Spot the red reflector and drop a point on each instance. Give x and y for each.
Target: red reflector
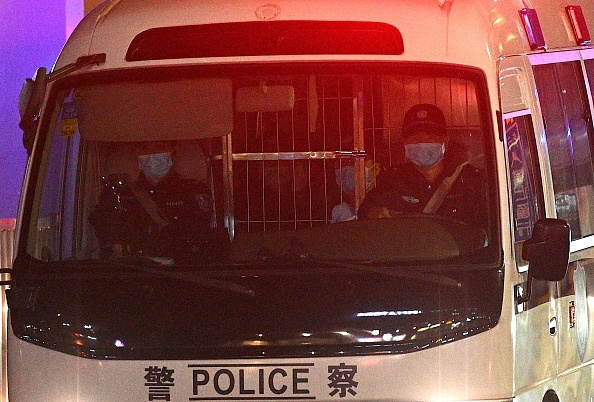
(533, 29)
(578, 23)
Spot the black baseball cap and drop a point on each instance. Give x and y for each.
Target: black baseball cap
(425, 117)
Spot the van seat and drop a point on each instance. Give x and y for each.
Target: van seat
(122, 161)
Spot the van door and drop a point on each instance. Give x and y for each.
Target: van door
(536, 347)
(563, 90)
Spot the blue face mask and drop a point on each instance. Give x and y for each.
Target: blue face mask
(155, 166)
(425, 154)
(345, 178)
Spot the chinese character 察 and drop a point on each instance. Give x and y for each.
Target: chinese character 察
(342, 380)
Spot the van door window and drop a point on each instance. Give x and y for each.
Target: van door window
(562, 95)
(590, 71)
(525, 181)
(55, 226)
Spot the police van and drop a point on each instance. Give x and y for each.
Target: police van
(290, 114)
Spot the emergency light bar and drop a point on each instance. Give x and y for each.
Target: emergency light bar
(533, 28)
(579, 25)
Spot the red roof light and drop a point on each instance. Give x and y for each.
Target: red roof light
(579, 25)
(533, 29)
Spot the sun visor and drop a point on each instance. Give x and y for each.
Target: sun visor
(173, 110)
(263, 98)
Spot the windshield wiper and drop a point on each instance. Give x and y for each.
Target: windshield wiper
(150, 266)
(299, 252)
(363, 266)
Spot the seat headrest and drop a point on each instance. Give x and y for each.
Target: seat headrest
(190, 162)
(122, 160)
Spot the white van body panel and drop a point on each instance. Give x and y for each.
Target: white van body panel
(462, 31)
(519, 359)
(478, 374)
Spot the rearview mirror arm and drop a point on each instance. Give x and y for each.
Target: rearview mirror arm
(524, 292)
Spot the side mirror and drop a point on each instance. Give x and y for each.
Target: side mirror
(547, 252)
(30, 98)
(548, 249)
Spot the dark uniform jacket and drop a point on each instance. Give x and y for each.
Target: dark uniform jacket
(403, 189)
(183, 208)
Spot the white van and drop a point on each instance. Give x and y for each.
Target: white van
(232, 201)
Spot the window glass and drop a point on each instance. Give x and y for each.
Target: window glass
(590, 71)
(564, 103)
(54, 227)
(292, 153)
(525, 186)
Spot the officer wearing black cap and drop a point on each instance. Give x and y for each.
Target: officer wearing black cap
(435, 179)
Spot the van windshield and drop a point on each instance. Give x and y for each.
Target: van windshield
(279, 210)
(347, 162)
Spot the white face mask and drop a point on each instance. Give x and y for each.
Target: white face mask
(425, 154)
(155, 166)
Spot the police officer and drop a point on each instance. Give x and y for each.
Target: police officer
(163, 214)
(435, 179)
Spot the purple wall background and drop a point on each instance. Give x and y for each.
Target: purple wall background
(32, 33)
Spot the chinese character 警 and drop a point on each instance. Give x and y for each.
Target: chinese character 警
(159, 380)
